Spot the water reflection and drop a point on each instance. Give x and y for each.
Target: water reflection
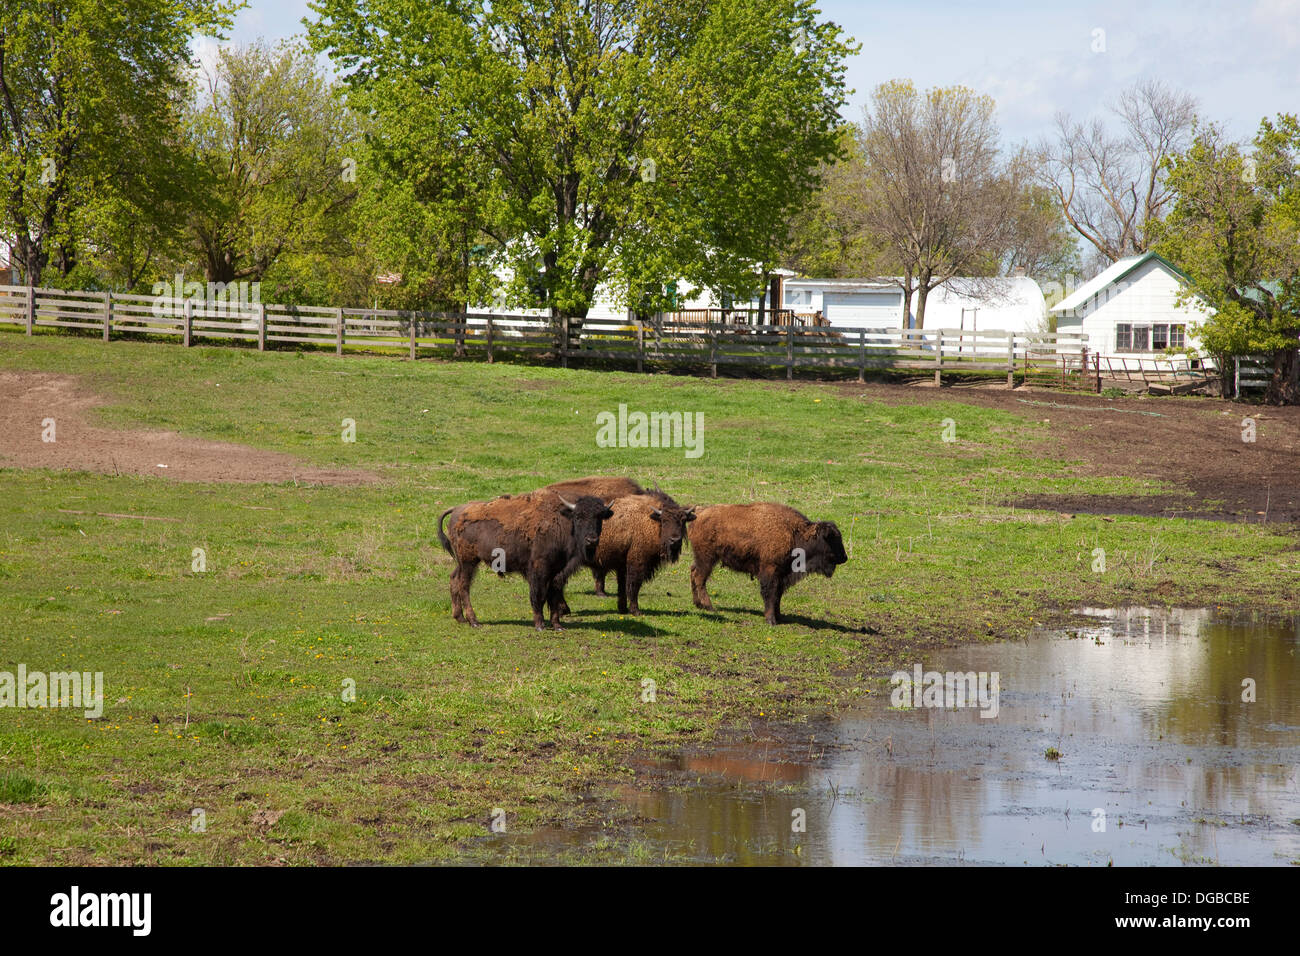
(1145, 706)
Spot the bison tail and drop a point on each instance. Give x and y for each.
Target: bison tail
(442, 535)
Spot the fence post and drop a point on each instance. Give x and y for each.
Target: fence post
(189, 323)
(938, 357)
(108, 314)
(338, 325)
(413, 320)
(713, 351)
(1096, 360)
(789, 353)
(31, 308)
(465, 318)
(1083, 366)
(862, 355)
(640, 346)
(1011, 360)
(564, 342)
(261, 326)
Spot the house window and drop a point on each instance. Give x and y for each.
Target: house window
(1149, 338)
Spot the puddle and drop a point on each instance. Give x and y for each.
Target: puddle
(1162, 762)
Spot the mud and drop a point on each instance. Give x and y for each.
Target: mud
(27, 399)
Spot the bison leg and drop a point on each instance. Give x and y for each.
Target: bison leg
(461, 579)
(538, 591)
(620, 575)
(555, 601)
(635, 577)
(700, 571)
(599, 578)
(769, 585)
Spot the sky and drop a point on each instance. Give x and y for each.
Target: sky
(1239, 58)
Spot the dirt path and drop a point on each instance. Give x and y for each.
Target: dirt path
(28, 398)
(1195, 443)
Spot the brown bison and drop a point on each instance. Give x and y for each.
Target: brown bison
(543, 536)
(645, 533)
(771, 542)
(609, 488)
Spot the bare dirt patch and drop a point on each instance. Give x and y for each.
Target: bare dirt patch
(28, 398)
(1191, 443)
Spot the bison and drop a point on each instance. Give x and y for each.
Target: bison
(609, 488)
(645, 533)
(772, 542)
(543, 536)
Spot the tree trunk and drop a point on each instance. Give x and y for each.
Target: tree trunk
(907, 300)
(922, 293)
(1284, 386)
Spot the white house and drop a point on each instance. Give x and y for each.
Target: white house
(1131, 310)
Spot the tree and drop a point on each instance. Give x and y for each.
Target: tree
(1111, 185)
(275, 143)
(750, 114)
(828, 237)
(86, 87)
(936, 189)
(1235, 230)
(627, 141)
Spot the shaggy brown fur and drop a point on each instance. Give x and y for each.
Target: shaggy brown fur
(610, 488)
(761, 540)
(535, 535)
(644, 533)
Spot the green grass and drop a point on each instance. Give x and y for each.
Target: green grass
(223, 690)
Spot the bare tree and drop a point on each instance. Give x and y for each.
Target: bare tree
(937, 190)
(1110, 184)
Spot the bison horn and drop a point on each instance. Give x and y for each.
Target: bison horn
(568, 504)
(658, 512)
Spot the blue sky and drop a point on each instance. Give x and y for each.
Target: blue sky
(1240, 59)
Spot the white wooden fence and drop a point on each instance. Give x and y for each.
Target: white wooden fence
(492, 336)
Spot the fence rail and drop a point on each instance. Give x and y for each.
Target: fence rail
(490, 336)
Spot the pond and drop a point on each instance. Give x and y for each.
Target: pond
(1145, 737)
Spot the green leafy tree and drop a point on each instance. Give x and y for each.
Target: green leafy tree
(88, 87)
(829, 237)
(628, 142)
(277, 148)
(1235, 230)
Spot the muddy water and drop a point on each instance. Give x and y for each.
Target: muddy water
(1161, 761)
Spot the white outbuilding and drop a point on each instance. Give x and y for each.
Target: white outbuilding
(1010, 304)
(1131, 310)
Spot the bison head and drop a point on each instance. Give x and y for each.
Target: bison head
(824, 548)
(587, 514)
(672, 519)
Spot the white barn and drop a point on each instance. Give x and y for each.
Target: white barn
(1131, 310)
(1014, 304)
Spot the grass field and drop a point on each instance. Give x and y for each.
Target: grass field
(224, 688)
